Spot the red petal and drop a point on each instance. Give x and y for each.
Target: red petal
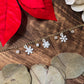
(10, 19)
(42, 13)
(33, 3)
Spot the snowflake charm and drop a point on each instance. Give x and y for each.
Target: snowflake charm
(63, 38)
(28, 49)
(45, 44)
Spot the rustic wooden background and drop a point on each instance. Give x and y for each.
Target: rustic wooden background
(32, 29)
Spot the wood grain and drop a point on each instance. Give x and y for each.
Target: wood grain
(32, 29)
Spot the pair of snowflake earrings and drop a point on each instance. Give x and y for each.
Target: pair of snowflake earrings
(46, 44)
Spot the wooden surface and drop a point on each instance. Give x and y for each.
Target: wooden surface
(32, 29)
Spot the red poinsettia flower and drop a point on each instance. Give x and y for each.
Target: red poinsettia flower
(10, 14)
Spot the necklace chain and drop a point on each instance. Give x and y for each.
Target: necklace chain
(35, 41)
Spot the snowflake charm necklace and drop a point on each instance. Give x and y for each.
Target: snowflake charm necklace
(45, 44)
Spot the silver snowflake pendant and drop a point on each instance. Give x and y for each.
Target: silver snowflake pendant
(45, 44)
(63, 38)
(28, 49)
